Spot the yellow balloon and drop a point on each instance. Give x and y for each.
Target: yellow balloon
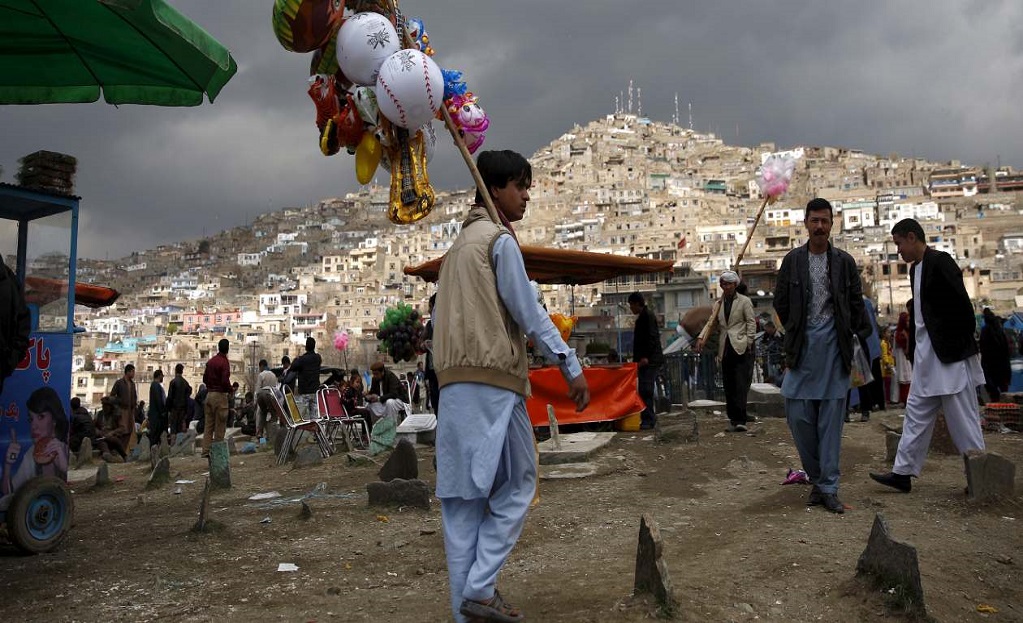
(367, 157)
(564, 324)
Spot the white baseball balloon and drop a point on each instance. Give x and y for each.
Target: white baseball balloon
(364, 41)
(410, 88)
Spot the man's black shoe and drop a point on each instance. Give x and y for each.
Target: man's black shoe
(895, 481)
(815, 498)
(831, 502)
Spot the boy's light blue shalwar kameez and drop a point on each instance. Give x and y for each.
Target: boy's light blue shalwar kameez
(816, 390)
(486, 459)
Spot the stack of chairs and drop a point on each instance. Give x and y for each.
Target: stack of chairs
(287, 412)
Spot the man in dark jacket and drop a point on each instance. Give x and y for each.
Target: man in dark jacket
(646, 351)
(385, 394)
(177, 401)
(15, 323)
(946, 368)
(305, 369)
(125, 396)
(157, 413)
(819, 300)
(82, 426)
(994, 356)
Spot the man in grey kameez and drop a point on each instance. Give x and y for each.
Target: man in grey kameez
(486, 459)
(819, 299)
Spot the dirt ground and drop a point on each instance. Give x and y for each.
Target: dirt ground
(739, 546)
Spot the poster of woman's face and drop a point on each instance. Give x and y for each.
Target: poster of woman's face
(36, 445)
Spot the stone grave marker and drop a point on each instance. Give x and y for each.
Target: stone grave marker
(160, 475)
(204, 508)
(941, 440)
(84, 455)
(308, 456)
(398, 492)
(893, 565)
(403, 463)
(142, 450)
(891, 445)
(220, 465)
(102, 475)
(651, 570)
(184, 444)
(989, 476)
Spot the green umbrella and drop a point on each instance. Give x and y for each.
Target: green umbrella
(134, 51)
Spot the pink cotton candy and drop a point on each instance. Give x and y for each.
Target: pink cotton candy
(775, 174)
(341, 340)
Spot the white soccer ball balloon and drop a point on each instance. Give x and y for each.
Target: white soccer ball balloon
(364, 41)
(410, 88)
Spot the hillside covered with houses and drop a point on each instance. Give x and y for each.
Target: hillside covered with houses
(623, 184)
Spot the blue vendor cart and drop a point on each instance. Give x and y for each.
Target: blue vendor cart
(35, 503)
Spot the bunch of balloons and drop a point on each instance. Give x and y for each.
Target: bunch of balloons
(375, 86)
(401, 332)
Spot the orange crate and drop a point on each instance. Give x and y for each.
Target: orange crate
(999, 414)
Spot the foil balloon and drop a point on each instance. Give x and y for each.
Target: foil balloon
(367, 157)
(350, 128)
(453, 83)
(470, 119)
(363, 43)
(305, 25)
(322, 92)
(410, 89)
(324, 59)
(429, 138)
(411, 197)
(417, 32)
(366, 104)
(564, 324)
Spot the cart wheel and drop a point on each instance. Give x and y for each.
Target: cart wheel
(39, 516)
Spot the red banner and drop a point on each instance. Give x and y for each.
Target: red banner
(613, 395)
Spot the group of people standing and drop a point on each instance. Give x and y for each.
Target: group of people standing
(818, 298)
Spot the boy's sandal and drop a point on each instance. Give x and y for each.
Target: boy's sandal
(494, 609)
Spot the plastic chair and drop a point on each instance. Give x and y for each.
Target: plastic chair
(286, 409)
(332, 411)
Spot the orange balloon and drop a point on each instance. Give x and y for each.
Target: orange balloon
(564, 324)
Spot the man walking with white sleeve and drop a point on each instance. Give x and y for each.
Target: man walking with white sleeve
(946, 366)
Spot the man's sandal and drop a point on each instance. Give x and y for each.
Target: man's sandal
(494, 609)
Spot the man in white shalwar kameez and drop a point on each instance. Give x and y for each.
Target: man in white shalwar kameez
(946, 364)
(486, 459)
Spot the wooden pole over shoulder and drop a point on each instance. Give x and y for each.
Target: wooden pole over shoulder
(712, 321)
(450, 124)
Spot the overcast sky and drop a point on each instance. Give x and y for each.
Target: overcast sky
(939, 79)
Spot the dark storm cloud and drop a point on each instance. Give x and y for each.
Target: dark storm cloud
(938, 80)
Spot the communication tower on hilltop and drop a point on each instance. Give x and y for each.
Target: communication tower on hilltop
(630, 97)
(639, 101)
(674, 120)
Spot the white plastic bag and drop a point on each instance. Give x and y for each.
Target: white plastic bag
(859, 373)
